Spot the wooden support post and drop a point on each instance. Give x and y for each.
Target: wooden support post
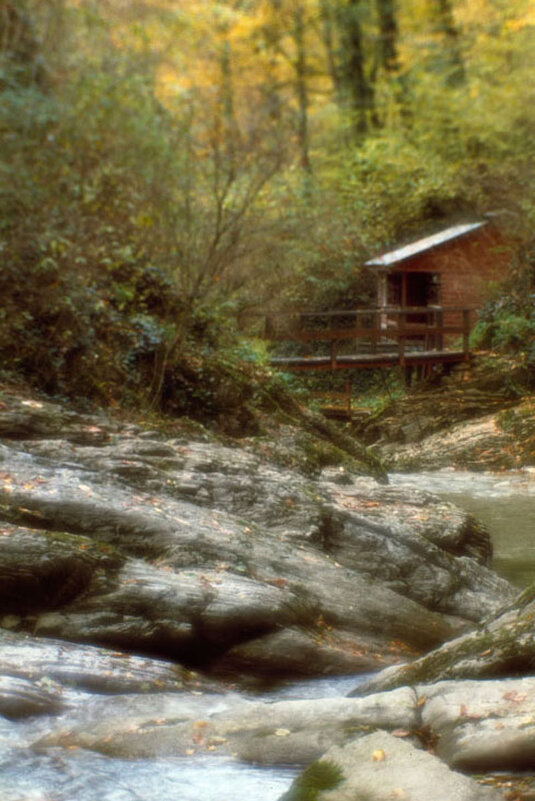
(401, 350)
(466, 333)
(334, 344)
(401, 338)
(440, 336)
(375, 330)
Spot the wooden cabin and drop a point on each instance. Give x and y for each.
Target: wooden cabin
(428, 294)
(452, 268)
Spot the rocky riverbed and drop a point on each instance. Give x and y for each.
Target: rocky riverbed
(217, 559)
(145, 579)
(481, 423)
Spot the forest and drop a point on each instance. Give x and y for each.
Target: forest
(209, 589)
(172, 169)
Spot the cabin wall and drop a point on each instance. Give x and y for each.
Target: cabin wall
(467, 267)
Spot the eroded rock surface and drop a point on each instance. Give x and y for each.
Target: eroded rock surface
(482, 725)
(477, 424)
(479, 444)
(380, 767)
(449, 728)
(402, 740)
(270, 733)
(215, 557)
(503, 646)
(55, 665)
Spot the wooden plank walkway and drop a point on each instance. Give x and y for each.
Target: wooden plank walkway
(382, 337)
(370, 360)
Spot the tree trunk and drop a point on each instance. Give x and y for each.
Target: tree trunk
(301, 87)
(388, 34)
(229, 127)
(329, 38)
(20, 45)
(360, 89)
(445, 25)
(388, 56)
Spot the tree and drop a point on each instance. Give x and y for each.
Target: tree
(358, 86)
(444, 23)
(388, 36)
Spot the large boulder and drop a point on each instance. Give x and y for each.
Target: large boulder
(479, 444)
(478, 727)
(54, 665)
(283, 732)
(380, 767)
(400, 741)
(482, 725)
(218, 558)
(503, 646)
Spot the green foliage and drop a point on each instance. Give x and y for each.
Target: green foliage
(509, 327)
(508, 332)
(318, 453)
(148, 203)
(321, 775)
(252, 350)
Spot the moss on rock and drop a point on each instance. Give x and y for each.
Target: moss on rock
(319, 776)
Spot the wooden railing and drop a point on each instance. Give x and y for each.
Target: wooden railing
(391, 329)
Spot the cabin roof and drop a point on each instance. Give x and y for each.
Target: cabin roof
(422, 245)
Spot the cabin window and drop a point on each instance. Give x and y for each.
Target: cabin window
(413, 289)
(422, 289)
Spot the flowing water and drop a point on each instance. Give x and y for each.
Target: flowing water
(85, 776)
(504, 502)
(59, 774)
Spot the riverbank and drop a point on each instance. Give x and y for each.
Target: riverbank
(503, 501)
(484, 421)
(153, 579)
(220, 558)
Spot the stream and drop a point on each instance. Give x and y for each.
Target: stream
(505, 503)
(64, 775)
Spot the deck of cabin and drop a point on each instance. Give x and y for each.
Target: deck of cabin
(407, 337)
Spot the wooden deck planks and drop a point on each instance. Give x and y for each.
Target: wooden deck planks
(370, 360)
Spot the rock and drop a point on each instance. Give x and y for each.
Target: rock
(89, 668)
(479, 444)
(215, 557)
(519, 422)
(297, 652)
(45, 571)
(23, 698)
(27, 418)
(503, 646)
(379, 530)
(479, 423)
(470, 725)
(194, 614)
(427, 409)
(284, 732)
(482, 725)
(380, 767)
(184, 614)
